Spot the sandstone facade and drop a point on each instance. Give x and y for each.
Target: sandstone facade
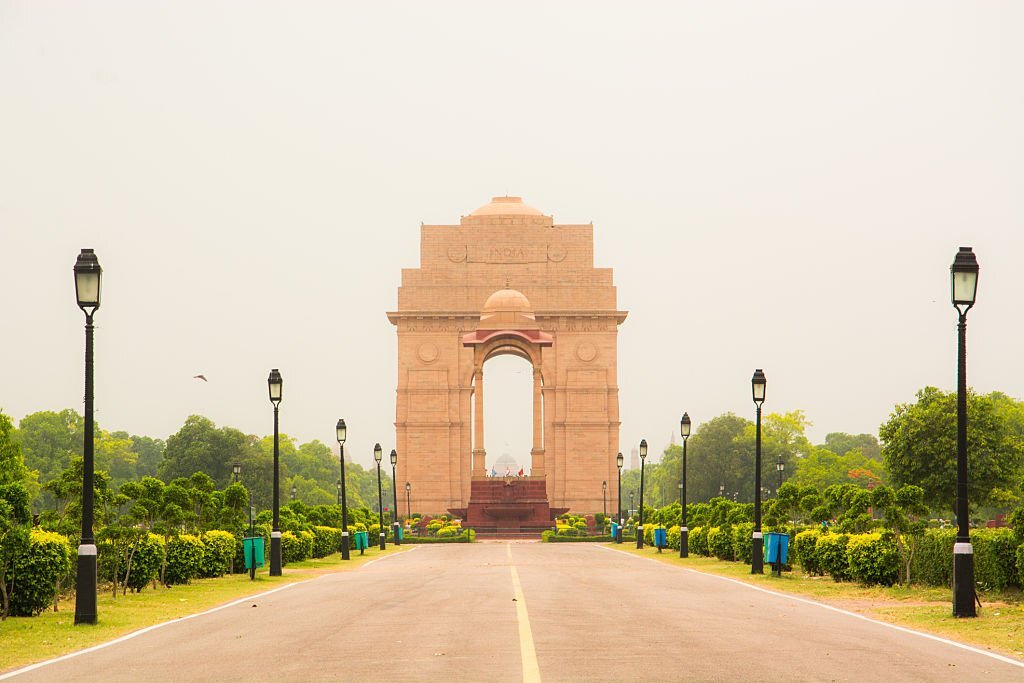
(506, 279)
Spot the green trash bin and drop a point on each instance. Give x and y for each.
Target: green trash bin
(253, 551)
(362, 541)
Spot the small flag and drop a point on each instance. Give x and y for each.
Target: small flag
(520, 471)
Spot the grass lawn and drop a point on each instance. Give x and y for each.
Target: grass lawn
(999, 626)
(24, 640)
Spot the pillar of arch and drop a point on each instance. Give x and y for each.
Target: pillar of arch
(507, 280)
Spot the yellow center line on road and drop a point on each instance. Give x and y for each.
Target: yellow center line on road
(531, 671)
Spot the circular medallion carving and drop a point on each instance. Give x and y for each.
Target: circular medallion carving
(428, 352)
(586, 352)
(556, 253)
(457, 254)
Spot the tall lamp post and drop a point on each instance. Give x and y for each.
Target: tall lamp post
(780, 467)
(640, 525)
(341, 432)
(88, 275)
(964, 276)
(408, 500)
(684, 531)
(618, 497)
(757, 386)
(275, 385)
(394, 496)
(604, 498)
(378, 455)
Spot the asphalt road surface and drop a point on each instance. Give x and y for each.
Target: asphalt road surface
(526, 612)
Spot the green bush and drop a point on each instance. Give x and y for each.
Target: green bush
(995, 558)
(296, 546)
(34, 573)
(805, 551)
(743, 542)
(873, 558)
(468, 536)
(184, 559)
(326, 540)
(1020, 564)
(698, 540)
(146, 560)
(218, 552)
(932, 561)
(720, 542)
(673, 537)
(831, 552)
(551, 537)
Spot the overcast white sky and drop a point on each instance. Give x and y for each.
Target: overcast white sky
(775, 184)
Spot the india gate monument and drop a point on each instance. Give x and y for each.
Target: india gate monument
(507, 280)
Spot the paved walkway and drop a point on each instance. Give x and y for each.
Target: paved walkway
(526, 611)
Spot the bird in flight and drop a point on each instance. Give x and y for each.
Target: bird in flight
(202, 377)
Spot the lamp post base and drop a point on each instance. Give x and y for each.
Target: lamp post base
(639, 537)
(757, 557)
(618, 532)
(684, 542)
(382, 546)
(85, 585)
(396, 539)
(963, 581)
(275, 553)
(344, 546)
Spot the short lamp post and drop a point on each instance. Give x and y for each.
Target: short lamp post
(640, 525)
(964, 276)
(294, 492)
(341, 432)
(378, 455)
(275, 385)
(408, 500)
(236, 470)
(618, 497)
(604, 498)
(88, 275)
(780, 467)
(757, 386)
(684, 531)
(394, 496)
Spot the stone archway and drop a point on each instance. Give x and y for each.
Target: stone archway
(507, 279)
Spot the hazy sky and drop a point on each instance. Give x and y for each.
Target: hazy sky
(776, 184)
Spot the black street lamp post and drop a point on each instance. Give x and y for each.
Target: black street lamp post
(275, 385)
(394, 495)
(294, 492)
(964, 276)
(631, 508)
(757, 385)
(88, 276)
(780, 467)
(640, 525)
(338, 484)
(341, 432)
(236, 470)
(378, 455)
(618, 498)
(684, 531)
(604, 498)
(408, 500)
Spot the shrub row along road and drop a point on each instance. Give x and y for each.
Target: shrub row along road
(525, 611)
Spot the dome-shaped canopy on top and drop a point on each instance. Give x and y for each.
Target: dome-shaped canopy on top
(506, 206)
(507, 300)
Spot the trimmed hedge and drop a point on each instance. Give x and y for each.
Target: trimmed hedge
(873, 558)
(932, 561)
(296, 546)
(146, 560)
(698, 540)
(34, 573)
(805, 551)
(326, 540)
(720, 542)
(995, 558)
(743, 542)
(467, 537)
(551, 537)
(831, 552)
(218, 551)
(184, 559)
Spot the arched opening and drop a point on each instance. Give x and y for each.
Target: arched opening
(508, 413)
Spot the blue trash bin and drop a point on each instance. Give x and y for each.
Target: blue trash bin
(661, 538)
(776, 549)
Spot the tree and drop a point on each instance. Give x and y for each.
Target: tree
(15, 518)
(199, 446)
(49, 440)
(919, 446)
(841, 443)
(823, 468)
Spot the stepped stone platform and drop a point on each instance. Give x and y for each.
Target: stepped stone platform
(508, 505)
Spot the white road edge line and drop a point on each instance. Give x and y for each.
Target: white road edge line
(904, 629)
(531, 669)
(147, 629)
